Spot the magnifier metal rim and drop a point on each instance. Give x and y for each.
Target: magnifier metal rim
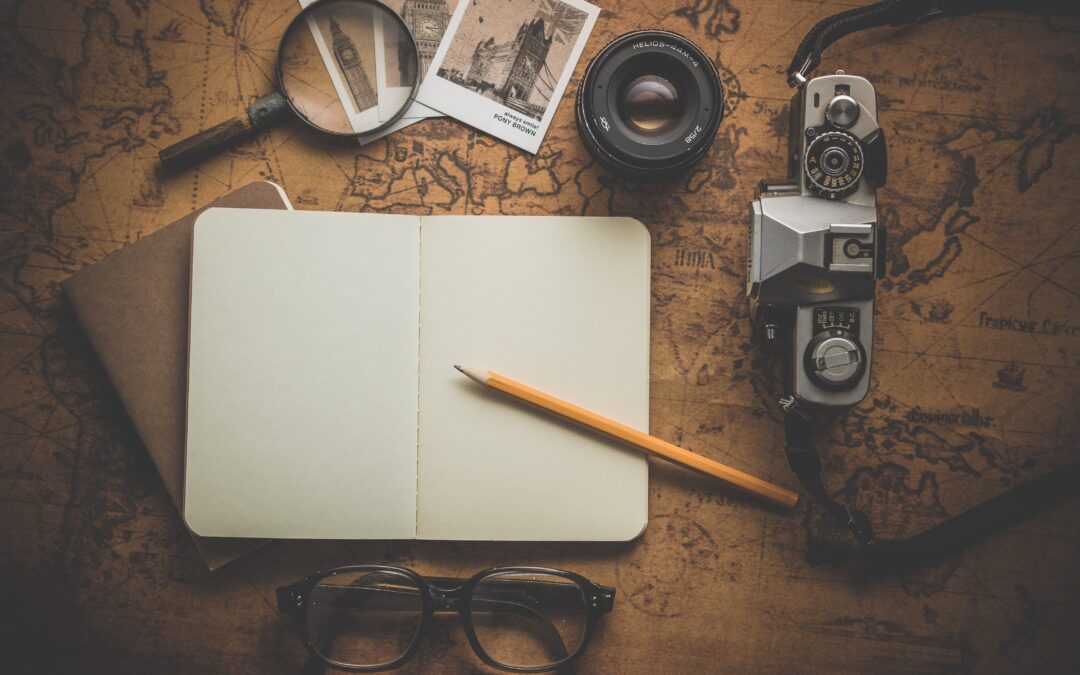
(347, 134)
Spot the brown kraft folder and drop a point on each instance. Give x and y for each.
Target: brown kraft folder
(133, 306)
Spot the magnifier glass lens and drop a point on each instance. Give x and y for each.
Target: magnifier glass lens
(348, 66)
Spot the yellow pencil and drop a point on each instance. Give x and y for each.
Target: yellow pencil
(652, 444)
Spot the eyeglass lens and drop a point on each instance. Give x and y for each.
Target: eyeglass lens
(528, 620)
(364, 618)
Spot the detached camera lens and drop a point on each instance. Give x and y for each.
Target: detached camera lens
(649, 105)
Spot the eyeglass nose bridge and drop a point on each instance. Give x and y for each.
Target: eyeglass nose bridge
(447, 599)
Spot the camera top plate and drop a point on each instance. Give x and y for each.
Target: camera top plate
(809, 111)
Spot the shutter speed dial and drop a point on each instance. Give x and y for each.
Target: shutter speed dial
(833, 163)
(835, 359)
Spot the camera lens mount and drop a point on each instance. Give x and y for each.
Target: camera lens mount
(833, 164)
(649, 105)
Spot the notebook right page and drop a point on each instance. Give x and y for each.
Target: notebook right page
(558, 303)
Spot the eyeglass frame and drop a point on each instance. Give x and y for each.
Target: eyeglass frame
(294, 600)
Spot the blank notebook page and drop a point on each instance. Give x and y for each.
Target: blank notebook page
(303, 375)
(560, 304)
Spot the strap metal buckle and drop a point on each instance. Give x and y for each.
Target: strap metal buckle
(789, 405)
(798, 78)
(861, 528)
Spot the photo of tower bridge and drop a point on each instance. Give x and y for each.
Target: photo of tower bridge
(513, 54)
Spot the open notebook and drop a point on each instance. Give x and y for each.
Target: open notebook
(322, 399)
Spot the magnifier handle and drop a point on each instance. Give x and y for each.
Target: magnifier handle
(217, 137)
(203, 143)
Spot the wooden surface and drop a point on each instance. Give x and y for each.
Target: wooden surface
(974, 388)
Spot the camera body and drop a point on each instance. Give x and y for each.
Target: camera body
(816, 247)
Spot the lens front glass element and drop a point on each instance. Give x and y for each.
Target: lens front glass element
(651, 104)
(364, 618)
(341, 93)
(528, 620)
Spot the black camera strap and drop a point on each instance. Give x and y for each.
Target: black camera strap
(951, 535)
(989, 516)
(897, 13)
(806, 464)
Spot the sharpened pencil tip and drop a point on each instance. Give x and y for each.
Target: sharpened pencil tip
(459, 368)
(480, 376)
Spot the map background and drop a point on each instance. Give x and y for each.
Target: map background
(981, 116)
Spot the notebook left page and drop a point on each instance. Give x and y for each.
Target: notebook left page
(302, 389)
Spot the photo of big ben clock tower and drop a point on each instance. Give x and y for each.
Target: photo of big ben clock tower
(349, 62)
(427, 21)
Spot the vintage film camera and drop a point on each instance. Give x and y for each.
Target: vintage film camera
(816, 246)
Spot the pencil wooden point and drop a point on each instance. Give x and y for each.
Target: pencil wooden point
(476, 374)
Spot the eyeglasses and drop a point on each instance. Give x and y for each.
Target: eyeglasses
(366, 618)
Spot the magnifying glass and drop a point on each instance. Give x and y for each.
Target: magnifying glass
(347, 68)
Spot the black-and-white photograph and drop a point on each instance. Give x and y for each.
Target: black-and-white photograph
(513, 53)
(349, 36)
(427, 21)
(503, 66)
(402, 61)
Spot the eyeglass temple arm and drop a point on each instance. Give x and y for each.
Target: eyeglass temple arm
(290, 598)
(604, 601)
(291, 601)
(404, 591)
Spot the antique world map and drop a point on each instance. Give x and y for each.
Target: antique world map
(974, 390)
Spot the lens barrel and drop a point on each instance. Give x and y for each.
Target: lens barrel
(649, 105)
